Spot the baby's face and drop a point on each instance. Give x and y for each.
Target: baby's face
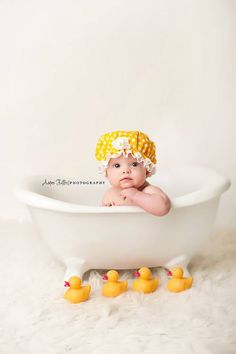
(126, 172)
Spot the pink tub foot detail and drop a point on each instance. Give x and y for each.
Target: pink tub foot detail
(75, 266)
(180, 261)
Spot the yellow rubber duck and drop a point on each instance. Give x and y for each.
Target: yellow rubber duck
(145, 284)
(113, 287)
(76, 293)
(178, 283)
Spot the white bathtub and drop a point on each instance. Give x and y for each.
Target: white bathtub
(84, 235)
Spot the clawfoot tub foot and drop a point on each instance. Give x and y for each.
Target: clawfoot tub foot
(75, 266)
(181, 261)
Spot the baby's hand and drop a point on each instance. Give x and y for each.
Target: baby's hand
(108, 204)
(128, 193)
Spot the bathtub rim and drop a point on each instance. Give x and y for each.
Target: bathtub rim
(219, 184)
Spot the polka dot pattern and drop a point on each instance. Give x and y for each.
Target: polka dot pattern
(138, 142)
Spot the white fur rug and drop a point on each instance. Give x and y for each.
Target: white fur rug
(34, 317)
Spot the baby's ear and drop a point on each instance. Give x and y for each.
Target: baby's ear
(148, 174)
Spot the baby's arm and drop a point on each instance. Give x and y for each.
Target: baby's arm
(152, 199)
(107, 199)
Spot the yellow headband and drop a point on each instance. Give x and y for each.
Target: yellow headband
(136, 143)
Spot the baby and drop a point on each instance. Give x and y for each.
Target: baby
(129, 157)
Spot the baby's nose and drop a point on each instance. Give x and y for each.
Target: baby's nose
(126, 169)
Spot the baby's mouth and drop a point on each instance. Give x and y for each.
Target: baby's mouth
(126, 179)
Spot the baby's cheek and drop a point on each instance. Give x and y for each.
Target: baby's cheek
(111, 173)
(115, 177)
(140, 174)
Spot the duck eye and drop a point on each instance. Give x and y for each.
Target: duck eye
(116, 165)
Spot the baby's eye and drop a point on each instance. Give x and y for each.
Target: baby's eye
(134, 164)
(116, 165)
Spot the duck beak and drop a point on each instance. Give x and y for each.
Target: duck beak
(137, 274)
(66, 284)
(104, 277)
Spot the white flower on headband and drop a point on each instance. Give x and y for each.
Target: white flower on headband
(147, 162)
(121, 143)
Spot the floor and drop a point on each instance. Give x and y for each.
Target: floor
(36, 319)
